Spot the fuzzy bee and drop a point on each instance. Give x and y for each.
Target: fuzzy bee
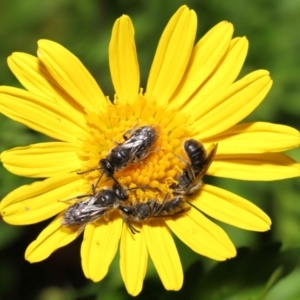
(97, 205)
(136, 147)
(200, 160)
(141, 211)
(94, 207)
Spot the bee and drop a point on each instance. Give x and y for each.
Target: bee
(95, 206)
(140, 211)
(135, 148)
(200, 160)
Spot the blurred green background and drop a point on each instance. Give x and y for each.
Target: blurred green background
(262, 269)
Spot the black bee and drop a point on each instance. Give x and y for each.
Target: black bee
(190, 180)
(140, 141)
(97, 205)
(140, 211)
(133, 149)
(94, 207)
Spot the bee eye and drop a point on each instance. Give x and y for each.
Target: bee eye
(126, 209)
(107, 166)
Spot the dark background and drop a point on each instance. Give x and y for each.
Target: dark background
(84, 27)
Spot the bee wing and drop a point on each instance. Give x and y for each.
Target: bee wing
(86, 216)
(211, 152)
(171, 207)
(85, 208)
(164, 214)
(97, 208)
(132, 144)
(93, 215)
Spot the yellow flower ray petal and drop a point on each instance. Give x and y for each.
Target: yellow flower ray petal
(133, 260)
(99, 246)
(71, 75)
(231, 208)
(172, 55)
(205, 56)
(257, 167)
(41, 200)
(229, 68)
(54, 236)
(163, 253)
(256, 137)
(123, 60)
(42, 160)
(202, 235)
(36, 79)
(231, 105)
(49, 118)
(225, 74)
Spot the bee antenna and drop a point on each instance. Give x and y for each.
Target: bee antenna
(95, 186)
(87, 171)
(115, 180)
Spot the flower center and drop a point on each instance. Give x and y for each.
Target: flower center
(159, 168)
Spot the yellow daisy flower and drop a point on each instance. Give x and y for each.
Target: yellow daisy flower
(191, 93)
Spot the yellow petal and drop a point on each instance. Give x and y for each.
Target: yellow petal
(54, 236)
(231, 208)
(224, 74)
(163, 253)
(49, 117)
(202, 235)
(36, 79)
(257, 167)
(232, 104)
(99, 246)
(123, 60)
(172, 55)
(42, 160)
(71, 75)
(41, 200)
(228, 69)
(204, 59)
(256, 137)
(133, 260)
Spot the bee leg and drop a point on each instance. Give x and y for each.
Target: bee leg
(80, 230)
(180, 191)
(142, 187)
(133, 229)
(194, 188)
(157, 207)
(189, 170)
(130, 226)
(129, 131)
(95, 186)
(125, 135)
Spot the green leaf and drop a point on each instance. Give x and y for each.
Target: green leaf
(248, 276)
(286, 288)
